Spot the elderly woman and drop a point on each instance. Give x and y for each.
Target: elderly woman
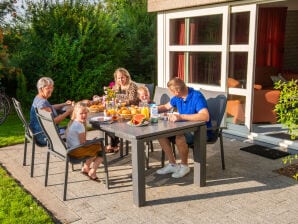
(124, 85)
(45, 87)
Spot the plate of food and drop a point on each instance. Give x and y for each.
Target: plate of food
(101, 119)
(144, 123)
(138, 120)
(126, 116)
(96, 108)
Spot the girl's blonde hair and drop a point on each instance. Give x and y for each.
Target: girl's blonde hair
(144, 89)
(79, 105)
(124, 72)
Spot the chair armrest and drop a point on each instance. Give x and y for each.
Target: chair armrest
(37, 133)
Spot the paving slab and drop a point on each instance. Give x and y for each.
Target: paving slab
(246, 192)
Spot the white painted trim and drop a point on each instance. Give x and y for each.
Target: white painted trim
(195, 12)
(196, 48)
(250, 49)
(161, 50)
(164, 49)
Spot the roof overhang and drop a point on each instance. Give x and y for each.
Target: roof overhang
(164, 5)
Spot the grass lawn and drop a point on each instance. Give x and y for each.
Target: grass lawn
(17, 205)
(11, 131)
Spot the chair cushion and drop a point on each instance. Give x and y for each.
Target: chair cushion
(233, 83)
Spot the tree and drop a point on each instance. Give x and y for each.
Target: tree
(74, 43)
(137, 29)
(6, 8)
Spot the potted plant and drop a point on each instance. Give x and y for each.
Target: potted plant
(287, 106)
(287, 111)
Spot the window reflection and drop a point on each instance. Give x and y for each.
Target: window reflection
(204, 68)
(177, 31)
(236, 109)
(177, 64)
(205, 30)
(239, 28)
(237, 69)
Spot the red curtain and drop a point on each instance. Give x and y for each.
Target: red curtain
(271, 35)
(181, 41)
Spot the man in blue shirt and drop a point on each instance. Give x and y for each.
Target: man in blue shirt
(191, 106)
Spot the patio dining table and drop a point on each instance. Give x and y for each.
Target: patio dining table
(140, 135)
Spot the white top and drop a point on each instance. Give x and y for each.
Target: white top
(75, 129)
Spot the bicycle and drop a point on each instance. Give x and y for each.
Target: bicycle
(5, 105)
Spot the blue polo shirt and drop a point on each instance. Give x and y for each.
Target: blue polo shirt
(194, 102)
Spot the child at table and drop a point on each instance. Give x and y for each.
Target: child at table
(144, 94)
(76, 135)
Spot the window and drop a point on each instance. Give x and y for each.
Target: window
(193, 62)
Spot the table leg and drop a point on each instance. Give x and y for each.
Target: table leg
(138, 172)
(199, 154)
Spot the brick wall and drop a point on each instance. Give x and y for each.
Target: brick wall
(291, 42)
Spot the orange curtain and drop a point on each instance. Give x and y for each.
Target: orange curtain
(271, 35)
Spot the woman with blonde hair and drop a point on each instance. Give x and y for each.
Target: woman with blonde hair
(124, 85)
(76, 135)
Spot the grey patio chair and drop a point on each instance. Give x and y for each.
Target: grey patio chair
(29, 136)
(216, 102)
(58, 148)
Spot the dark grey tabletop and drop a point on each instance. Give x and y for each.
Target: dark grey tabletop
(147, 132)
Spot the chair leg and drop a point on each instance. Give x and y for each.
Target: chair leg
(25, 152)
(105, 163)
(66, 178)
(32, 158)
(106, 138)
(151, 146)
(121, 147)
(147, 155)
(47, 169)
(162, 158)
(222, 152)
(126, 147)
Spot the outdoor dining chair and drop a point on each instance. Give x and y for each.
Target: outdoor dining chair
(216, 102)
(29, 136)
(73, 155)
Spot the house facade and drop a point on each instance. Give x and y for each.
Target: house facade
(240, 47)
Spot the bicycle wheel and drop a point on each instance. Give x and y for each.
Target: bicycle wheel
(7, 103)
(3, 110)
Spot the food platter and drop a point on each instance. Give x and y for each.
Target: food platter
(138, 125)
(96, 108)
(126, 116)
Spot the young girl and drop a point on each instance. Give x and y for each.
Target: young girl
(76, 135)
(144, 94)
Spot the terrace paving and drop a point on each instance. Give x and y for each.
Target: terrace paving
(248, 191)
